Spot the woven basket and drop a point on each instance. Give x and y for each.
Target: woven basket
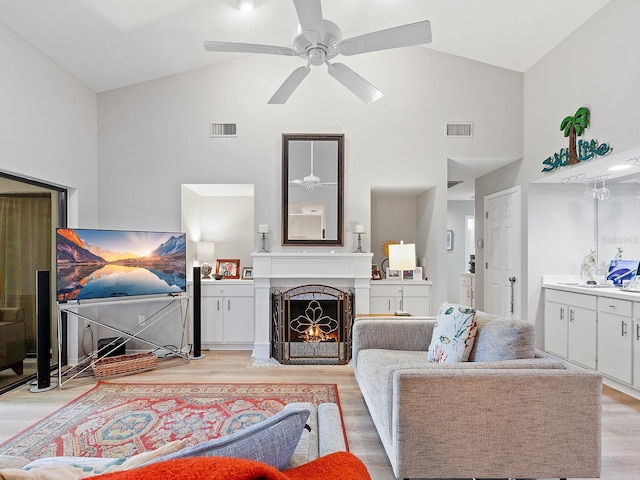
(121, 364)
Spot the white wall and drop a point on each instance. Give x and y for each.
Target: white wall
(154, 136)
(393, 218)
(48, 125)
(595, 67)
(457, 262)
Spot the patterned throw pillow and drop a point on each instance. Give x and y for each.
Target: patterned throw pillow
(453, 334)
(271, 441)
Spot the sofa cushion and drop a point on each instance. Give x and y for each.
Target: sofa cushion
(502, 338)
(453, 334)
(271, 441)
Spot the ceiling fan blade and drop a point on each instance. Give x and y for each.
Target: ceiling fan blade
(290, 84)
(310, 16)
(354, 82)
(403, 36)
(213, 46)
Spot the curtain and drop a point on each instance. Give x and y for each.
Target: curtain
(25, 247)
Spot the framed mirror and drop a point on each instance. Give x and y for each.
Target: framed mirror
(312, 189)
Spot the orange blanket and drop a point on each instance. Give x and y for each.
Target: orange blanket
(335, 466)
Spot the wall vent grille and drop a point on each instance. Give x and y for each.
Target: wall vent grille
(458, 129)
(223, 130)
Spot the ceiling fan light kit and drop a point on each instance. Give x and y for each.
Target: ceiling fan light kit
(318, 40)
(245, 5)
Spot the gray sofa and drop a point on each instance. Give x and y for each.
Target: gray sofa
(510, 411)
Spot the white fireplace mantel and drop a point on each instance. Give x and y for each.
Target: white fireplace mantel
(292, 269)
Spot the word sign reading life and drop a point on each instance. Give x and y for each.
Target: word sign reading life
(574, 126)
(586, 151)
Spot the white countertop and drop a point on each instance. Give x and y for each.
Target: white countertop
(610, 292)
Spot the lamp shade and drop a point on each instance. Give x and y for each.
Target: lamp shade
(402, 256)
(206, 251)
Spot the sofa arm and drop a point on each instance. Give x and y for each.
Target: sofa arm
(538, 423)
(12, 314)
(391, 335)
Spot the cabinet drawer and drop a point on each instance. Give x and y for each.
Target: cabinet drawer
(465, 281)
(227, 290)
(614, 306)
(386, 290)
(570, 298)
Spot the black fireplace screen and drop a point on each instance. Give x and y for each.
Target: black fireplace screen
(311, 324)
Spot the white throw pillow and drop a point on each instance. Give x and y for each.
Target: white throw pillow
(453, 334)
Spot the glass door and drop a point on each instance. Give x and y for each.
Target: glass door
(29, 214)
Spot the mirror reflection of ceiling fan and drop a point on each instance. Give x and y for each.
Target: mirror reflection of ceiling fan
(318, 40)
(311, 181)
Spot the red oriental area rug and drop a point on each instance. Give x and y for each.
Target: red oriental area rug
(119, 419)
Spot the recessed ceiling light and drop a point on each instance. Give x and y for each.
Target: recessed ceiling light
(616, 168)
(245, 5)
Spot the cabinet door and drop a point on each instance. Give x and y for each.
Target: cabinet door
(211, 319)
(382, 304)
(556, 328)
(239, 325)
(614, 346)
(417, 306)
(636, 346)
(465, 295)
(582, 336)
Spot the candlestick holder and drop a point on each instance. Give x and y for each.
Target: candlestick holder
(359, 249)
(263, 248)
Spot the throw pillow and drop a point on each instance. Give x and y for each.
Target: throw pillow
(271, 441)
(453, 334)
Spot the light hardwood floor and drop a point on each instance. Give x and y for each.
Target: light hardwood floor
(621, 414)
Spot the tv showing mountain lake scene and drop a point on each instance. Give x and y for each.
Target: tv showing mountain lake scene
(92, 264)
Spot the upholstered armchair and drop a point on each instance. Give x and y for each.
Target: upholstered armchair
(12, 338)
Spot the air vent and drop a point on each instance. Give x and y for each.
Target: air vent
(223, 130)
(453, 183)
(458, 129)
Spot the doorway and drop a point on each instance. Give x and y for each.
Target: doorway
(29, 213)
(502, 233)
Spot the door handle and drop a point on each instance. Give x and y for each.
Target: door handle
(512, 280)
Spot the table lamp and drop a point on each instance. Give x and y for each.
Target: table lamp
(402, 256)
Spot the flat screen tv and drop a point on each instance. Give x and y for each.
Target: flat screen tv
(96, 264)
(620, 270)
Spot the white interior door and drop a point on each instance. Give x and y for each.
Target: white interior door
(502, 253)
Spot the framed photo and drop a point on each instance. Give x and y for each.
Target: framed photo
(247, 273)
(417, 273)
(408, 274)
(228, 267)
(375, 273)
(449, 239)
(393, 273)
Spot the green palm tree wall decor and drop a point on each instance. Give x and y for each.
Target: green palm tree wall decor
(573, 127)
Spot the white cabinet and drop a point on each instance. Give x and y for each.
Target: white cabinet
(615, 338)
(570, 326)
(385, 297)
(467, 289)
(228, 314)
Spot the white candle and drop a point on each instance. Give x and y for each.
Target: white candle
(359, 228)
(263, 229)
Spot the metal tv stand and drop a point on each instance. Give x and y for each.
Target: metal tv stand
(168, 305)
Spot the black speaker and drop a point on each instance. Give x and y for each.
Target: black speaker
(43, 332)
(197, 314)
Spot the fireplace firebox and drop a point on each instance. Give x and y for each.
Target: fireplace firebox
(311, 324)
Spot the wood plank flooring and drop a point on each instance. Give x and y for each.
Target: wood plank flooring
(621, 414)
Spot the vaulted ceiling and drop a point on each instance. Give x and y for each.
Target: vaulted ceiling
(109, 44)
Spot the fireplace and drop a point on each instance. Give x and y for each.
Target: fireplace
(311, 324)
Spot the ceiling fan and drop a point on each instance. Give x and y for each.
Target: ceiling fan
(311, 181)
(318, 40)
